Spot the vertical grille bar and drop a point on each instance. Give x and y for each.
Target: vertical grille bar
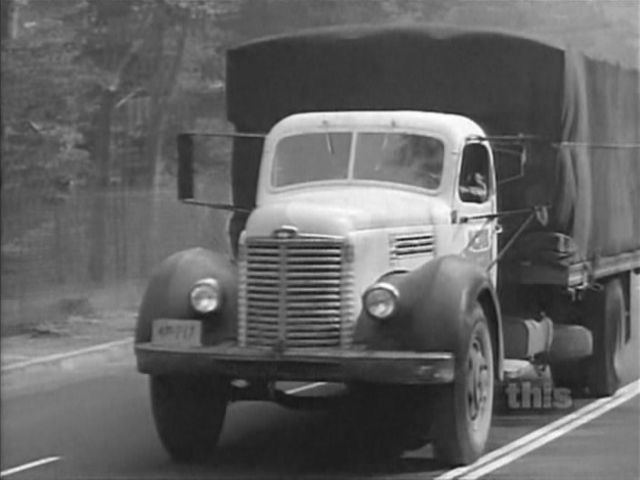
(242, 297)
(347, 300)
(282, 297)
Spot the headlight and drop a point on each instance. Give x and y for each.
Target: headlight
(381, 300)
(206, 296)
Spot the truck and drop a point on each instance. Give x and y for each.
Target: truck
(420, 214)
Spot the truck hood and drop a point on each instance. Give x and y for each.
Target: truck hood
(340, 211)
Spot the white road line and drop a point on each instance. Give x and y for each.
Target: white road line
(542, 441)
(63, 356)
(451, 474)
(29, 466)
(542, 436)
(303, 388)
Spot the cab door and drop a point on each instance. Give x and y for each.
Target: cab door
(474, 200)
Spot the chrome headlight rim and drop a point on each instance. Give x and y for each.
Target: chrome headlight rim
(393, 296)
(210, 288)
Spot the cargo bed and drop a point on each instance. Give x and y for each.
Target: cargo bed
(575, 275)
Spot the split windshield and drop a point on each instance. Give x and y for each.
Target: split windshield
(403, 158)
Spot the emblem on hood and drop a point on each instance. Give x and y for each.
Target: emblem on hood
(285, 232)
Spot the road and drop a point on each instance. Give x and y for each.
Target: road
(100, 426)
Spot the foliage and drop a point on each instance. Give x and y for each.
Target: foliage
(39, 103)
(66, 54)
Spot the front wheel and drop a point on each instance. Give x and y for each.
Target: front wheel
(464, 414)
(189, 412)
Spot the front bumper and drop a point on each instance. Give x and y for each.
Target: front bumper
(398, 367)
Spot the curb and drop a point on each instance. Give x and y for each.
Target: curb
(74, 359)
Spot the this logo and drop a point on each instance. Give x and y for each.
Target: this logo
(530, 396)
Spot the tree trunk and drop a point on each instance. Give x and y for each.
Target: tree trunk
(97, 237)
(9, 20)
(162, 92)
(102, 154)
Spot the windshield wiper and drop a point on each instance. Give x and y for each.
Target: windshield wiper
(329, 143)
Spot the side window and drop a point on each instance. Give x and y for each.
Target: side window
(475, 181)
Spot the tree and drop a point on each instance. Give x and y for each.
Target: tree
(8, 20)
(40, 109)
(140, 33)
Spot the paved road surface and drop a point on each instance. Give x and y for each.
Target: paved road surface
(101, 427)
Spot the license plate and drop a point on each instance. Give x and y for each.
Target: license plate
(181, 333)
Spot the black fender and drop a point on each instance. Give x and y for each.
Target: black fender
(167, 294)
(434, 302)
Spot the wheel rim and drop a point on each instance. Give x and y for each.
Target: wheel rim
(478, 382)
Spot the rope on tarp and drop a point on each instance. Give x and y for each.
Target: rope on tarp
(596, 145)
(520, 139)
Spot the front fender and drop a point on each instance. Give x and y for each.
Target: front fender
(434, 302)
(167, 295)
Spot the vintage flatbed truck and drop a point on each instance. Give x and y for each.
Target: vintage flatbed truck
(416, 209)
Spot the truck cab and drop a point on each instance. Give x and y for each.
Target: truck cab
(396, 189)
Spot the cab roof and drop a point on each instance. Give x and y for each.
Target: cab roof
(447, 124)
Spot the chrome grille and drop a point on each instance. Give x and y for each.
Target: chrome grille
(295, 293)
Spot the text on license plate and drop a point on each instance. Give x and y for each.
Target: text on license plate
(183, 333)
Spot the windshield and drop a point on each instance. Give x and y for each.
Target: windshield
(312, 157)
(403, 158)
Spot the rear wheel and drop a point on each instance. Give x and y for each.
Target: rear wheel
(606, 319)
(575, 342)
(463, 418)
(189, 412)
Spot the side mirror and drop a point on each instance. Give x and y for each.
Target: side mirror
(185, 166)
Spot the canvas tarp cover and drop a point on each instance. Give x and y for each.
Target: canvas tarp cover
(584, 112)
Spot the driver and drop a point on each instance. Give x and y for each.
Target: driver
(416, 160)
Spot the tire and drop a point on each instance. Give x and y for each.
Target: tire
(189, 412)
(576, 343)
(606, 322)
(463, 419)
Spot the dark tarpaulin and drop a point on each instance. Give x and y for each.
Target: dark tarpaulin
(507, 83)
